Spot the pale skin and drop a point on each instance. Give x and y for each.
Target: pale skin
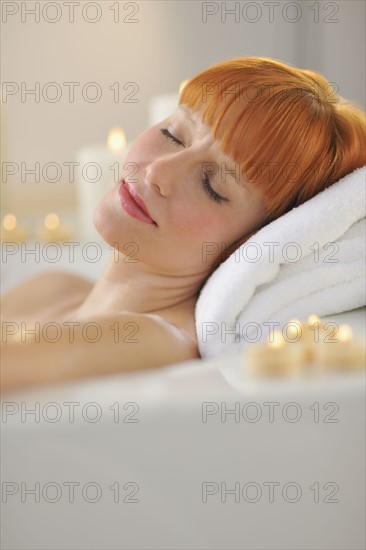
(157, 292)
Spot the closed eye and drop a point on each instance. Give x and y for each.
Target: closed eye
(169, 136)
(206, 181)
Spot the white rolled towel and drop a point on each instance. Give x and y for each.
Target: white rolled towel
(310, 260)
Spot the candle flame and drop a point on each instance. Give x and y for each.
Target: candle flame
(345, 333)
(116, 140)
(9, 222)
(277, 339)
(313, 319)
(295, 322)
(51, 221)
(293, 329)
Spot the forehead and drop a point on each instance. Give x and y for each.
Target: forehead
(192, 119)
(202, 133)
(190, 116)
(198, 130)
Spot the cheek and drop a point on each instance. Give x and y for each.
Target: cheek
(208, 225)
(197, 224)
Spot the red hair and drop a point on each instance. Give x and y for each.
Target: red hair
(291, 135)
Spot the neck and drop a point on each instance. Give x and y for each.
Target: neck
(135, 287)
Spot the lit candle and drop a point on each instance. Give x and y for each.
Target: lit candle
(344, 354)
(116, 141)
(100, 166)
(310, 330)
(52, 230)
(11, 231)
(277, 358)
(307, 333)
(313, 329)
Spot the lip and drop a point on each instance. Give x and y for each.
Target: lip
(133, 204)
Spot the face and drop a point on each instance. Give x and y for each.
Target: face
(198, 208)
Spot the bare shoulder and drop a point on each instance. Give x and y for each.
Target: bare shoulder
(174, 336)
(159, 341)
(128, 342)
(40, 291)
(95, 348)
(50, 280)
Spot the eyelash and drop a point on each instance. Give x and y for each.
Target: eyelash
(205, 182)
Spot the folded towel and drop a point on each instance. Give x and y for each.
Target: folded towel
(311, 260)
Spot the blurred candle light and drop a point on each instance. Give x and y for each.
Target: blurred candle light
(52, 230)
(100, 167)
(276, 358)
(11, 231)
(52, 221)
(308, 348)
(301, 335)
(116, 140)
(311, 329)
(294, 329)
(345, 333)
(313, 319)
(307, 333)
(278, 340)
(344, 353)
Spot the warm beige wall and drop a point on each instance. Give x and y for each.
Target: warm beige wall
(169, 43)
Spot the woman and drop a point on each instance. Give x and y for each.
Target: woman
(250, 139)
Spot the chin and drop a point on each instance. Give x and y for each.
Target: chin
(114, 230)
(105, 223)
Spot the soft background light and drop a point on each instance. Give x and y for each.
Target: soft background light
(167, 43)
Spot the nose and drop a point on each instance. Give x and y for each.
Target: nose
(158, 175)
(165, 173)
